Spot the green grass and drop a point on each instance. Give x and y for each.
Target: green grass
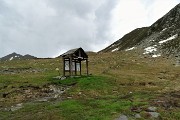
(88, 82)
(92, 109)
(92, 99)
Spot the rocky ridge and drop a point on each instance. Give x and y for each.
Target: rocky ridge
(160, 39)
(15, 56)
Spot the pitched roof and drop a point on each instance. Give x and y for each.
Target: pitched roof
(75, 51)
(69, 52)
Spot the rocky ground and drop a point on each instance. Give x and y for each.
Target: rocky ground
(30, 93)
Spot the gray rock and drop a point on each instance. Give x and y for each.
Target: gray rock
(122, 117)
(137, 116)
(17, 107)
(154, 114)
(57, 77)
(151, 109)
(63, 78)
(43, 100)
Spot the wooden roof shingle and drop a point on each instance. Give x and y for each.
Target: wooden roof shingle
(75, 52)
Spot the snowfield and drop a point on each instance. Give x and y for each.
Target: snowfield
(158, 55)
(170, 38)
(149, 50)
(116, 49)
(130, 49)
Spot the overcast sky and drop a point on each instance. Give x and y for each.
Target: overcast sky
(47, 28)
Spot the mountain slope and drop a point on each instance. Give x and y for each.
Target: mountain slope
(129, 40)
(161, 38)
(12, 56)
(27, 56)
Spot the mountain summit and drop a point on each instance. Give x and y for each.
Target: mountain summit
(161, 38)
(15, 56)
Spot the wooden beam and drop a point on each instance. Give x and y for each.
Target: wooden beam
(75, 68)
(80, 67)
(63, 66)
(87, 70)
(70, 65)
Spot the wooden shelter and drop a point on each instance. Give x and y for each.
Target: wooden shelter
(72, 61)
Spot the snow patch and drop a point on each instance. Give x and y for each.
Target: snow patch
(164, 29)
(158, 55)
(170, 38)
(115, 50)
(152, 40)
(112, 46)
(130, 49)
(149, 50)
(11, 58)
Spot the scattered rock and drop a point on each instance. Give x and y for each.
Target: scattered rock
(43, 100)
(137, 116)
(59, 78)
(122, 117)
(153, 114)
(63, 78)
(57, 69)
(17, 107)
(151, 109)
(20, 70)
(136, 109)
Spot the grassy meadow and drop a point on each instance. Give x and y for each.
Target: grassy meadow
(120, 83)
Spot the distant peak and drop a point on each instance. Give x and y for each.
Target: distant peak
(15, 56)
(176, 8)
(178, 5)
(14, 53)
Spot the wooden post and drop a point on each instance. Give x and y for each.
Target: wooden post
(80, 66)
(75, 67)
(70, 66)
(63, 66)
(87, 67)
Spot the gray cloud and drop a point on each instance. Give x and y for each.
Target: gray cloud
(46, 28)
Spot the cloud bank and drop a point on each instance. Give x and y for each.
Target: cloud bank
(130, 14)
(47, 28)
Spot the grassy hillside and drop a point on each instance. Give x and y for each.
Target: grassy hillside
(129, 40)
(121, 83)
